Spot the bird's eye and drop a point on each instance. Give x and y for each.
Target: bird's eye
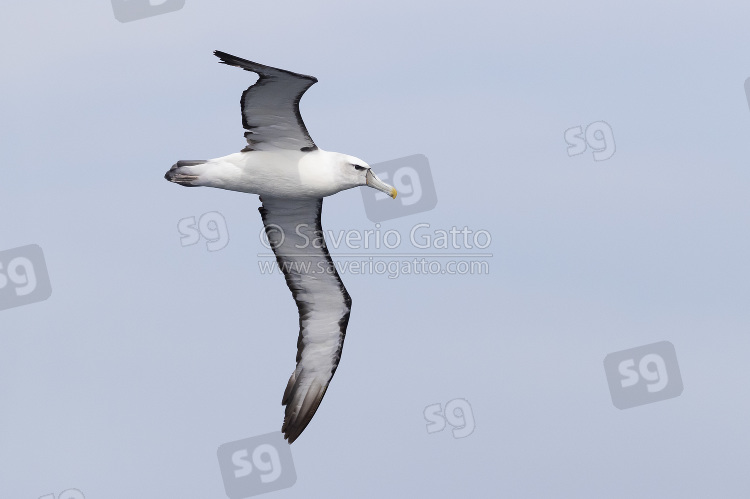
(359, 167)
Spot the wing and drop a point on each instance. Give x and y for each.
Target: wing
(295, 234)
(270, 107)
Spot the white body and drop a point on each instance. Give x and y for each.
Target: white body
(280, 173)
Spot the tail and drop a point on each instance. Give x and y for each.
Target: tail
(181, 172)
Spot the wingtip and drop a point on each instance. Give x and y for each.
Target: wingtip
(290, 438)
(295, 421)
(256, 67)
(291, 432)
(225, 58)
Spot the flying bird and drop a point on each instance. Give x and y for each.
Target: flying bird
(292, 175)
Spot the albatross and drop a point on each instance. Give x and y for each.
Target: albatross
(292, 175)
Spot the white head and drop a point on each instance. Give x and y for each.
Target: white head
(353, 172)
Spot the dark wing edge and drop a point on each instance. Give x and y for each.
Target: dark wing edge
(317, 357)
(260, 69)
(268, 75)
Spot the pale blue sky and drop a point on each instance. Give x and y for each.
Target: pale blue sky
(148, 356)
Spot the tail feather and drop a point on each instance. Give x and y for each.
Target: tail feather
(180, 172)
